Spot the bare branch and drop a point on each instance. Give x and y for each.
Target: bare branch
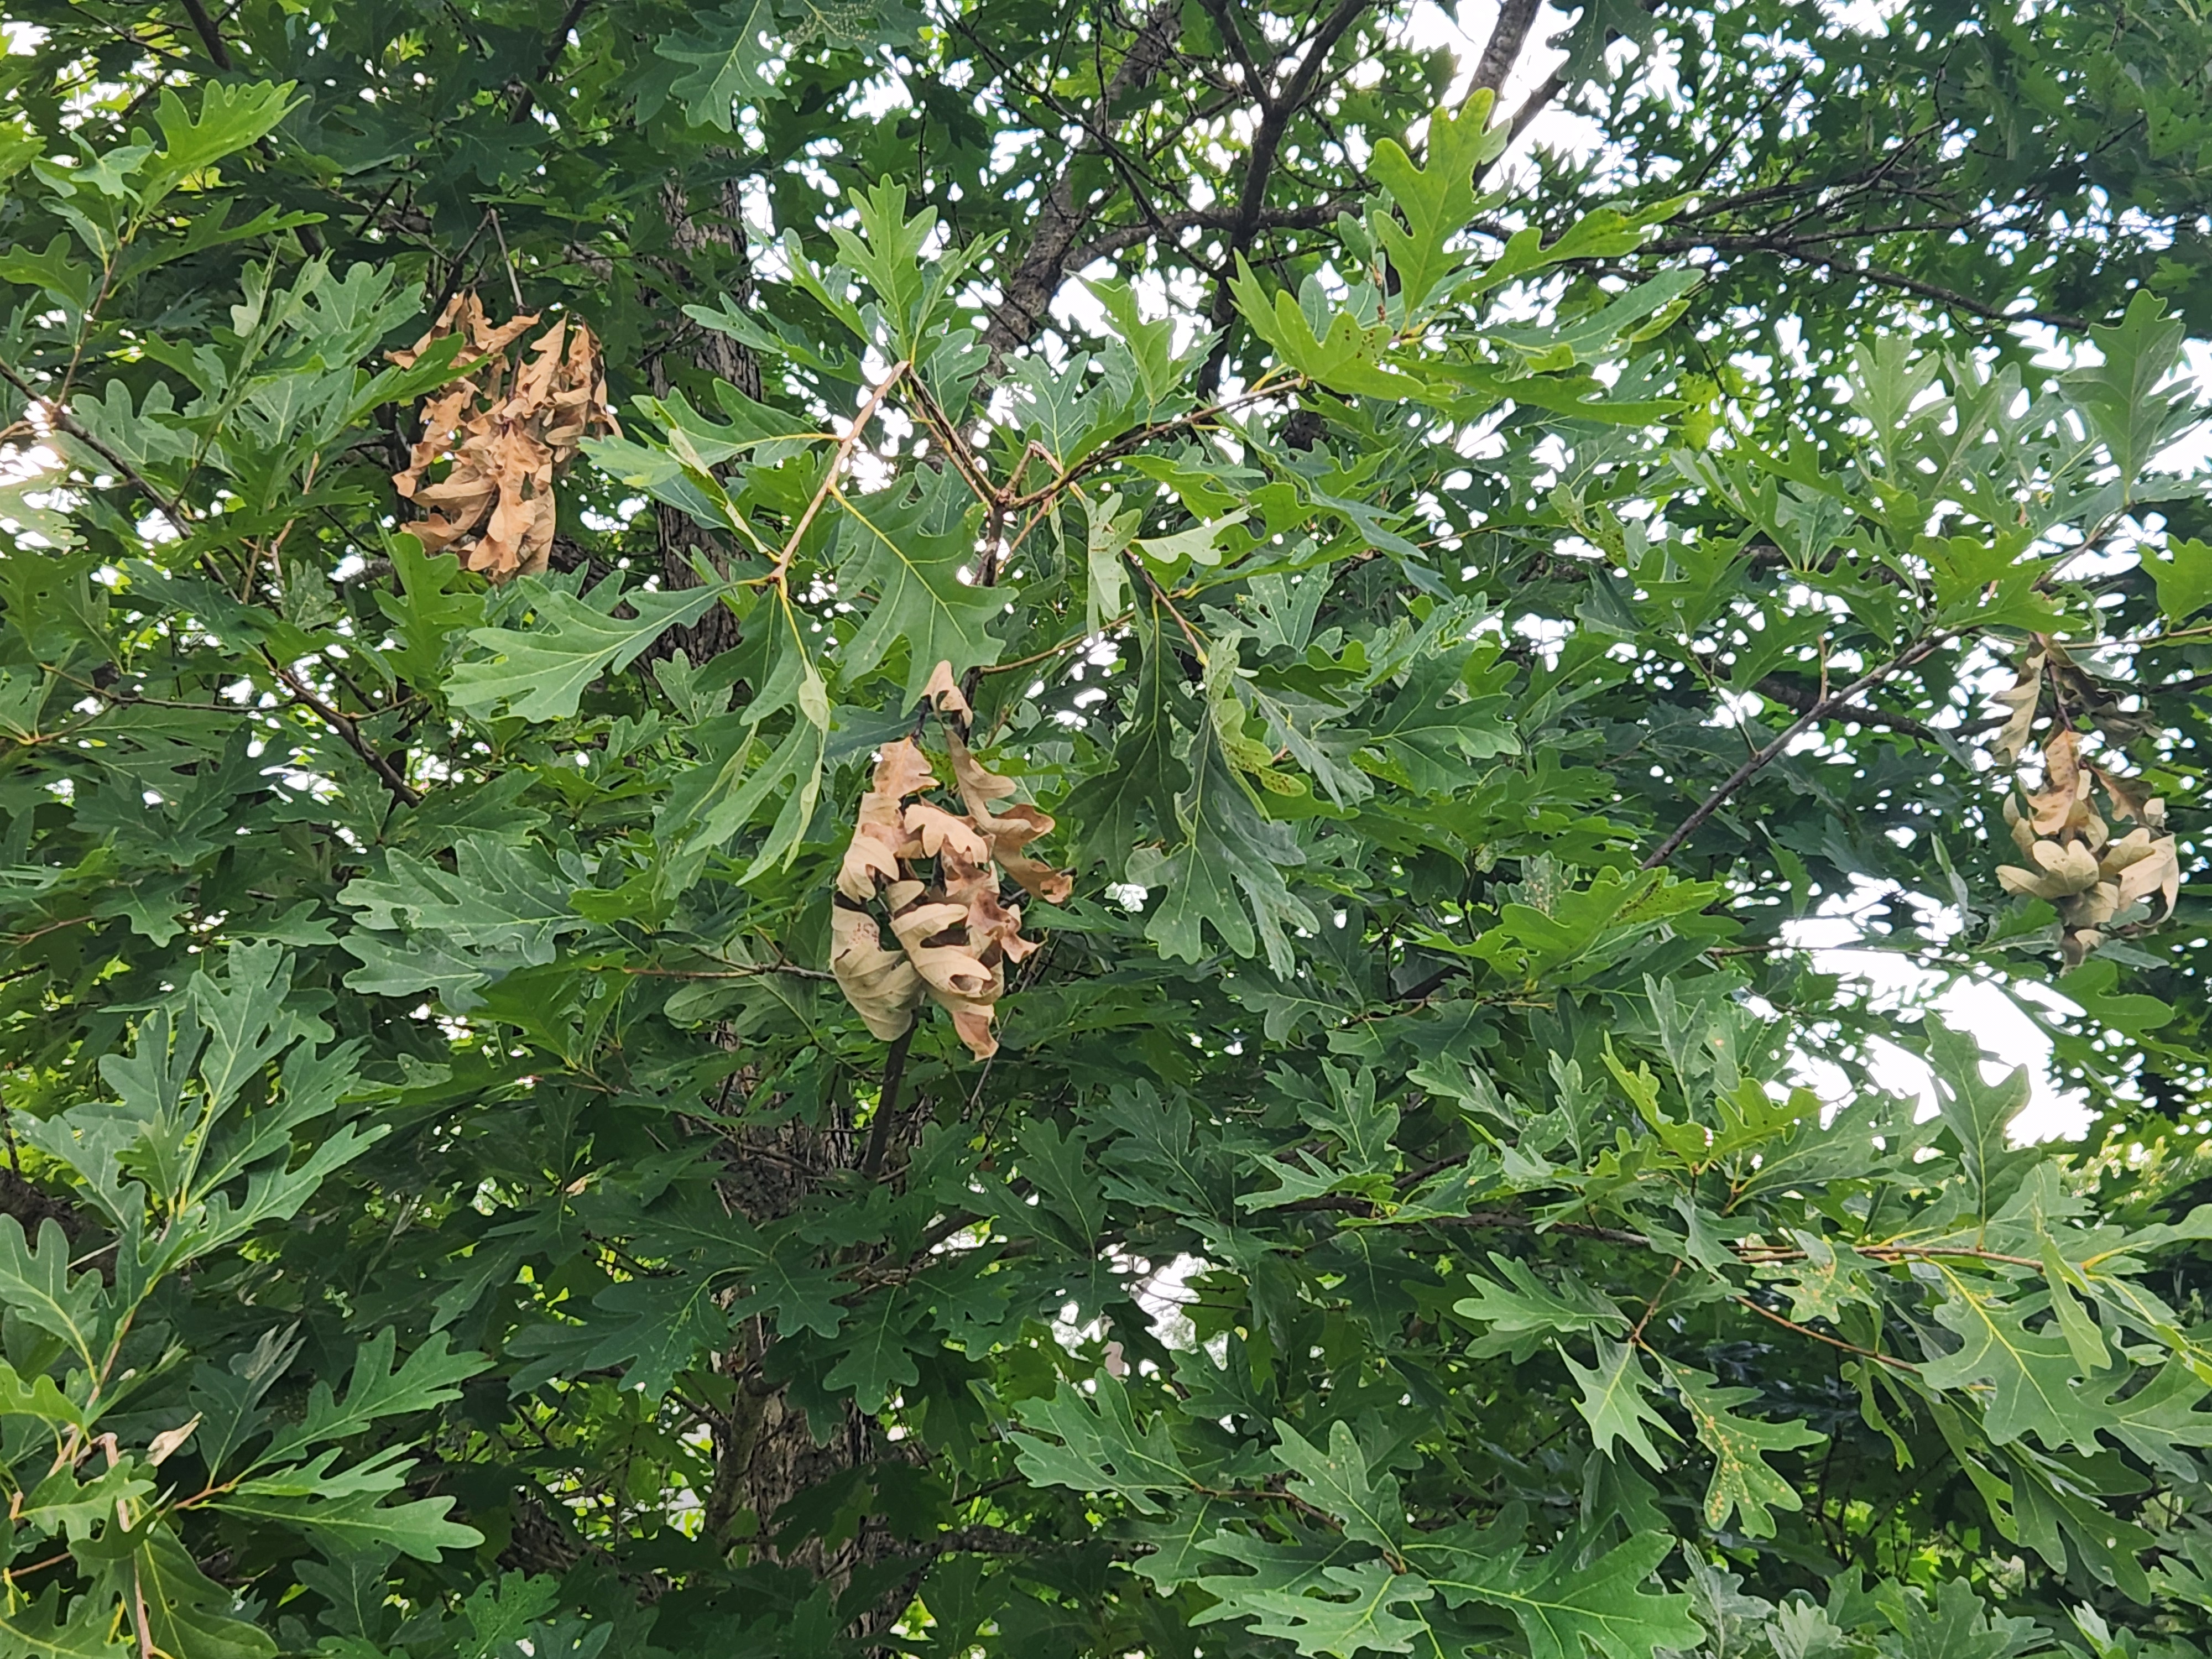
(1259, 165)
(1802, 251)
(556, 44)
(1312, 216)
(1763, 758)
(210, 36)
(1031, 284)
(1515, 19)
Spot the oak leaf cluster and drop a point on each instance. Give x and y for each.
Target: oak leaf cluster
(501, 432)
(2100, 881)
(937, 874)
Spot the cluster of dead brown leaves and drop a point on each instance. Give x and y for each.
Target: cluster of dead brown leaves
(507, 427)
(2093, 878)
(953, 936)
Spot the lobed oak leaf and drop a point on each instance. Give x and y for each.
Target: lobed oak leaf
(879, 830)
(882, 985)
(940, 831)
(1011, 830)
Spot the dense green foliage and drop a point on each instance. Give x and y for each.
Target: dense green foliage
(1457, 615)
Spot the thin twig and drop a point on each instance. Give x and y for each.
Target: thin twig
(752, 971)
(1764, 757)
(506, 259)
(845, 446)
(1821, 1336)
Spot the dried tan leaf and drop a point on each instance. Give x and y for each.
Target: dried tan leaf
(2019, 701)
(2159, 872)
(501, 433)
(2130, 797)
(164, 1445)
(944, 694)
(2070, 864)
(944, 963)
(882, 985)
(939, 831)
(2137, 844)
(879, 831)
(2093, 906)
(1008, 831)
(955, 936)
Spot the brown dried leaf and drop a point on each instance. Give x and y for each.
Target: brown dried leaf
(2159, 872)
(1009, 831)
(939, 831)
(882, 985)
(2136, 845)
(944, 694)
(163, 1446)
(949, 968)
(880, 833)
(2093, 906)
(2070, 864)
(501, 433)
(2019, 701)
(1039, 877)
(955, 937)
(2130, 797)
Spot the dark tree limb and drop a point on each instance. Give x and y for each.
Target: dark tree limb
(1537, 102)
(1801, 698)
(1313, 216)
(1281, 109)
(1515, 20)
(879, 1130)
(555, 45)
(203, 24)
(1805, 250)
(1762, 758)
(1029, 287)
(694, 237)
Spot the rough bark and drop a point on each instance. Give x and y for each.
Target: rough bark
(1515, 19)
(712, 237)
(1061, 219)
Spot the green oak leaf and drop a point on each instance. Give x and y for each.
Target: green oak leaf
(1743, 1482)
(1098, 1446)
(909, 550)
(540, 673)
(1614, 1401)
(1564, 1610)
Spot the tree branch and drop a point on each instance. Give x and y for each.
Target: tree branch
(557, 45)
(1030, 287)
(879, 1128)
(1259, 165)
(1763, 758)
(1515, 19)
(1796, 249)
(210, 36)
(1312, 216)
(1801, 698)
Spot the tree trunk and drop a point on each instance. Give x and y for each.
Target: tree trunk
(711, 238)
